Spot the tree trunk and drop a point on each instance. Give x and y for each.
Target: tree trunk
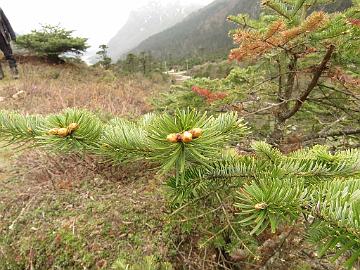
(286, 91)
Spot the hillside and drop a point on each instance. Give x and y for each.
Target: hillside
(153, 18)
(204, 32)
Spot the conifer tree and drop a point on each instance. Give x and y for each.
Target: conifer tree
(105, 60)
(297, 78)
(226, 197)
(313, 52)
(52, 42)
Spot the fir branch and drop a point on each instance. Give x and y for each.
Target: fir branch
(16, 128)
(71, 130)
(336, 205)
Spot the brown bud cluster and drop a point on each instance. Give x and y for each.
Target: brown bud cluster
(64, 132)
(185, 137)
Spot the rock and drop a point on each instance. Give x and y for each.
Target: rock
(20, 94)
(2, 99)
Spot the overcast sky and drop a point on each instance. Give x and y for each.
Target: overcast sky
(98, 21)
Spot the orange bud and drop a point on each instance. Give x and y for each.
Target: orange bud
(173, 138)
(186, 137)
(196, 132)
(63, 132)
(73, 127)
(53, 131)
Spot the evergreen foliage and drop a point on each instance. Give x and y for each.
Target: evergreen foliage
(105, 60)
(139, 63)
(296, 62)
(123, 140)
(268, 190)
(221, 194)
(52, 42)
(299, 41)
(17, 128)
(229, 87)
(53, 132)
(228, 199)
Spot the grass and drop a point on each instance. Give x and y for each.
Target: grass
(50, 89)
(83, 222)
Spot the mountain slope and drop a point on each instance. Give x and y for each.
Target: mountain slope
(203, 32)
(153, 18)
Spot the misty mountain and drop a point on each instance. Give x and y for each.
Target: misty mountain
(153, 18)
(204, 32)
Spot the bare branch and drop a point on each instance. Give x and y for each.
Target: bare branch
(314, 82)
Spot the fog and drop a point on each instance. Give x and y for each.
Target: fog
(97, 22)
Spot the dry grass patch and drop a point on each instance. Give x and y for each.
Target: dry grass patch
(71, 212)
(49, 89)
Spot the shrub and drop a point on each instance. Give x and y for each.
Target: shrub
(52, 42)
